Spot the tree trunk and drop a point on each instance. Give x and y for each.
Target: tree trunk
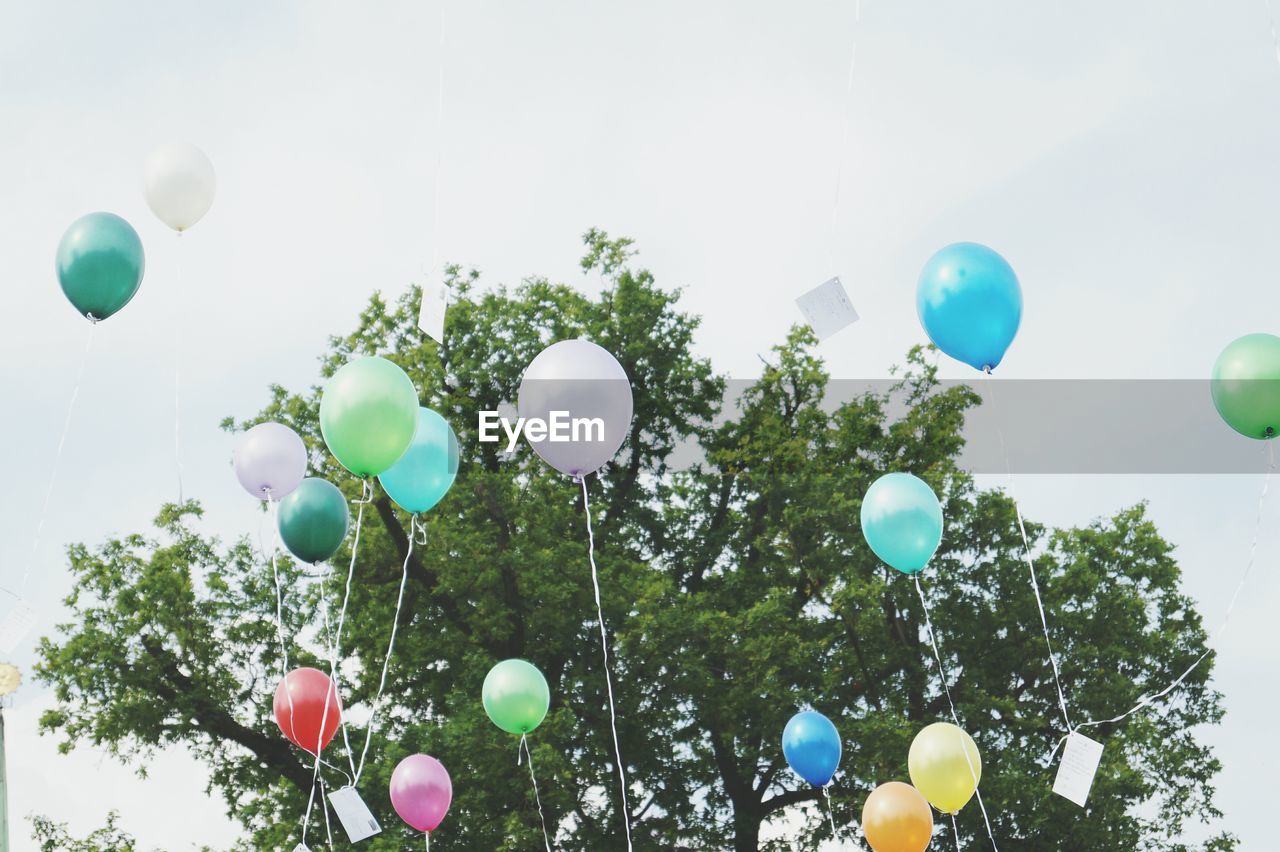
(746, 829)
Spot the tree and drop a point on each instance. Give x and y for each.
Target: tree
(54, 837)
(736, 590)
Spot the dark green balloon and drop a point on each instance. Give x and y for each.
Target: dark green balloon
(100, 264)
(314, 519)
(1246, 385)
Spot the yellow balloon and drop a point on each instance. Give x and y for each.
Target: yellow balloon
(945, 766)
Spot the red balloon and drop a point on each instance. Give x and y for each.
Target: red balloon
(307, 709)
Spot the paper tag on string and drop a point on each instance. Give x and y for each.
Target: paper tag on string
(301, 847)
(431, 312)
(354, 814)
(15, 625)
(827, 308)
(1079, 764)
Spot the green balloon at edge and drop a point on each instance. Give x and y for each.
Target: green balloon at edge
(1246, 385)
(516, 696)
(368, 415)
(313, 520)
(100, 264)
(902, 521)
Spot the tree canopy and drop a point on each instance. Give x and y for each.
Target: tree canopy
(737, 590)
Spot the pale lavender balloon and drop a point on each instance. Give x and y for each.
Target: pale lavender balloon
(270, 460)
(421, 791)
(591, 391)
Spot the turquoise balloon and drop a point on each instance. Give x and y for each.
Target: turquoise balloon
(426, 471)
(970, 304)
(313, 520)
(902, 521)
(100, 264)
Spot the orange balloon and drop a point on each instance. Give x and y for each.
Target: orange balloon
(896, 818)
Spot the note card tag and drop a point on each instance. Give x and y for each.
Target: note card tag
(301, 847)
(431, 312)
(15, 625)
(354, 814)
(1079, 764)
(827, 308)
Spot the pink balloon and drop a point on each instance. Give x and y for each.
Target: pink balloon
(421, 791)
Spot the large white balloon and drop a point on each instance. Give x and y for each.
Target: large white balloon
(179, 184)
(582, 396)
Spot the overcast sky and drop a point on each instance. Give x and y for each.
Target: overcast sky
(1123, 157)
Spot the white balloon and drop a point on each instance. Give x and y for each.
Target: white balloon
(179, 184)
(581, 394)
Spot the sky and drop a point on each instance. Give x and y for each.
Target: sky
(1120, 156)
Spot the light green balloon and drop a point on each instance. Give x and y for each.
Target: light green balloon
(368, 415)
(516, 696)
(1246, 385)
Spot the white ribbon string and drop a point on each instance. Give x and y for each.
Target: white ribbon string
(844, 136)
(942, 675)
(366, 497)
(831, 814)
(177, 372)
(57, 458)
(524, 744)
(955, 832)
(386, 661)
(604, 650)
(273, 511)
(1031, 565)
(1147, 700)
(1275, 36)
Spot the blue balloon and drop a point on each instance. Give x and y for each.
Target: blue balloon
(970, 304)
(812, 747)
(424, 474)
(902, 521)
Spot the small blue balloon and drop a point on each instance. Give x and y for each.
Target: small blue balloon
(970, 304)
(812, 747)
(424, 474)
(902, 521)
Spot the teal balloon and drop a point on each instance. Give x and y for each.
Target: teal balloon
(970, 304)
(313, 520)
(902, 521)
(100, 264)
(1246, 385)
(425, 473)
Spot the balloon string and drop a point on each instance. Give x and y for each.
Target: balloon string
(1217, 634)
(439, 176)
(177, 374)
(942, 675)
(386, 661)
(604, 650)
(427, 834)
(1031, 566)
(844, 136)
(273, 511)
(524, 744)
(1275, 36)
(366, 494)
(324, 803)
(955, 832)
(57, 459)
(831, 814)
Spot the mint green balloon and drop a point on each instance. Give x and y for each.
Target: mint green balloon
(902, 521)
(516, 696)
(313, 520)
(100, 264)
(1246, 385)
(368, 415)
